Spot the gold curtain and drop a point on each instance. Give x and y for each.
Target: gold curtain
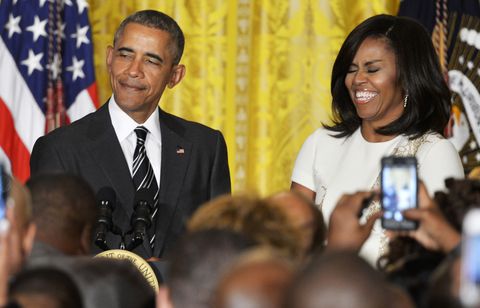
(258, 70)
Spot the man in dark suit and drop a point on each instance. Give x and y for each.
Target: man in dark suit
(188, 160)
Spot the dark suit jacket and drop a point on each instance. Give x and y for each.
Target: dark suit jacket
(89, 147)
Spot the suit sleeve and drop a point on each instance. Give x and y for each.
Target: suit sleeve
(45, 158)
(220, 174)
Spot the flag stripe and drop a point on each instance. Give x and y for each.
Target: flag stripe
(29, 120)
(82, 106)
(12, 145)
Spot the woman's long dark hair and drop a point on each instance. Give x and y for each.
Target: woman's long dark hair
(419, 74)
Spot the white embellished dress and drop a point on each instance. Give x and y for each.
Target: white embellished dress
(334, 166)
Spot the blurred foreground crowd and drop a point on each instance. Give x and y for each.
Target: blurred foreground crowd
(237, 251)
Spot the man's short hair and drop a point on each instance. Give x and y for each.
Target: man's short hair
(157, 20)
(198, 261)
(48, 282)
(338, 279)
(63, 204)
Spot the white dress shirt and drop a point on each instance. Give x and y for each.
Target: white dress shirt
(124, 127)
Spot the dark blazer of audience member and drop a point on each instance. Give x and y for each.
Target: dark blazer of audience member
(64, 211)
(192, 166)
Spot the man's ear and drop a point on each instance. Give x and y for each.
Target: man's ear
(109, 57)
(177, 75)
(28, 238)
(85, 240)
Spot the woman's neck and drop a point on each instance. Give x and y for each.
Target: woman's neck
(370, 135)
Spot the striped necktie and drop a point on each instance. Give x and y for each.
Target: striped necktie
(143, 176)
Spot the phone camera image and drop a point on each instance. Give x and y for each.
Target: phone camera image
(399, 187)
(3, 194)
(470, 264)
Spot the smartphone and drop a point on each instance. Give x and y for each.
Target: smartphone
(470, 261)
(399, 191)
(3, 192)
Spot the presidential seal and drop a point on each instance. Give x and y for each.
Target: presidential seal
(136, 260)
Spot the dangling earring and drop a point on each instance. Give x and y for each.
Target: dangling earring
(405, 100)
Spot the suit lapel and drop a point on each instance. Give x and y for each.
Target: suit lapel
(108, 153)
(176, 152)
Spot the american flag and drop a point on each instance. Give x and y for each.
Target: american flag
(43, 42)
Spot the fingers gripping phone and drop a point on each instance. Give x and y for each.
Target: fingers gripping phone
(399, 191)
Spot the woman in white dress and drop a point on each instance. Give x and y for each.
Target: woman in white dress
(389, 98)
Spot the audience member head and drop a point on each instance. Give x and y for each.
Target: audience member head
(336, 280)
(156, 20)
(259, 278)
(257, 219)
(44, 287)
(198, 261)
(18, 197)
(305, 217)
(64, 211)
(427, 106)
(461, 195)
(19, 214)
(105, 282)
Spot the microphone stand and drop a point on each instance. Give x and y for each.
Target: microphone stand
(101, 238)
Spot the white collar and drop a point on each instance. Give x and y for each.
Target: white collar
(124, 125)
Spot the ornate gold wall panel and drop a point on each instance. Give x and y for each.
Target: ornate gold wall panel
(258, 70)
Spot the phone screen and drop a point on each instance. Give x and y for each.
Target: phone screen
(399, 188)
(3, 193)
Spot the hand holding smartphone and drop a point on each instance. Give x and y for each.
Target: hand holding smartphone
(399, 191)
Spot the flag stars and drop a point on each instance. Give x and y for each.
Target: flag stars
(38, 28)
(13, 25)
(82, 5)
(33, 61)
(77, 68)
(81, 36)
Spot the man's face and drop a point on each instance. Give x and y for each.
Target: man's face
(141, 66)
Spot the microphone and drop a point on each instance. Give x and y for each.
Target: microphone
(106, 200)
(142, 216)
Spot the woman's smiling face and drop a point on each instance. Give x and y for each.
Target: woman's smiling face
(372, 82)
